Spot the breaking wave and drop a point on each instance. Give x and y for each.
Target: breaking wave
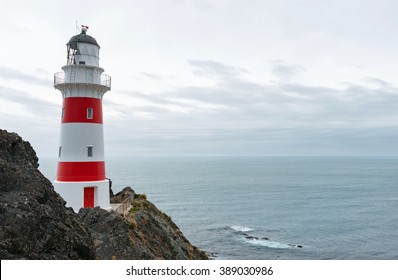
(267, 243)
(241, 228)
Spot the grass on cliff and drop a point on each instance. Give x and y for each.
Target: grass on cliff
(140, 203)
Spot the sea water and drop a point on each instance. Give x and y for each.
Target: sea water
(271, 207)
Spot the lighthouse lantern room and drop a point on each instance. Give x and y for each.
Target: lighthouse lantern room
(80, 178)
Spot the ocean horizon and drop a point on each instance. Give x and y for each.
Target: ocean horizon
(259, 207)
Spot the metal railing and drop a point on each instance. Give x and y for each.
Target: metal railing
(122, 208)
(59, 79)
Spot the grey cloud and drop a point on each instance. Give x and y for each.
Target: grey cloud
(12, 74)
(152, 97)
(152, 75)
(240, 116)
(210, 68)
(41, 130)
(35, 105)
(308, 91)
(42, 71)
(376, 81)
(152, 110)
(247, 103)
(282, 69)
(354, 102)
(162, 99)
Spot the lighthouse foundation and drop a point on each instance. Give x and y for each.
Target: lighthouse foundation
(87, 194)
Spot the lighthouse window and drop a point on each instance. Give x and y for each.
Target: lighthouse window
(89, 151)
(89, 113)
(63, 113)
(59, 151)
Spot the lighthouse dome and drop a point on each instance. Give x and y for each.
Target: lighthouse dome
(82, 38)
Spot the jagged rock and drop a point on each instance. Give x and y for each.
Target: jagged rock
(145, 233)
(111, 235)
(122, 195)
(35, 224)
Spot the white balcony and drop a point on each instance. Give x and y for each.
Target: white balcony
(62, 80)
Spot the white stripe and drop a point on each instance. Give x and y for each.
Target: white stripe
(76, 137)
(83, 90)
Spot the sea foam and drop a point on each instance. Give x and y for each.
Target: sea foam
(241, 228)
(269, 244)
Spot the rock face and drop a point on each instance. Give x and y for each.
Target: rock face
(144, 233)
(122, 195)
(35, 224)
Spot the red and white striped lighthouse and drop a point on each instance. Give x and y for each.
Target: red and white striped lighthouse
(81, 179)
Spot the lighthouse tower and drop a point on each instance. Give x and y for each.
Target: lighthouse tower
(81, 179)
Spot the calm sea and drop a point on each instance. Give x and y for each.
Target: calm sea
(271, 207)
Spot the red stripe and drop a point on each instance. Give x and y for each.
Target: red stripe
(75, 110)
(81, 171)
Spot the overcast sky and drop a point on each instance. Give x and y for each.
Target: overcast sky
(205, 77)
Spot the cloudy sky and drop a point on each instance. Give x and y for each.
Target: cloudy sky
(205, 77)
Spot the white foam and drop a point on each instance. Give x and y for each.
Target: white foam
(241, 228)
(267, 243)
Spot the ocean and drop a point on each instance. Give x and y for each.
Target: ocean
(271, 207)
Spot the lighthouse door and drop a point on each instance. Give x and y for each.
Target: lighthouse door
(89, 197)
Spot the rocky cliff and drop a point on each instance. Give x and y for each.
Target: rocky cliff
(144, 233)
(35, 224)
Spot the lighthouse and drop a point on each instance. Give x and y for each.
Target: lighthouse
(81, 178)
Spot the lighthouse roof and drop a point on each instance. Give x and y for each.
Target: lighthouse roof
(82, 38)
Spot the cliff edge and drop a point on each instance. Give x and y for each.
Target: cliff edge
(35, 224)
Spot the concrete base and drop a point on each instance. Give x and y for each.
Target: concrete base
(73, 193)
